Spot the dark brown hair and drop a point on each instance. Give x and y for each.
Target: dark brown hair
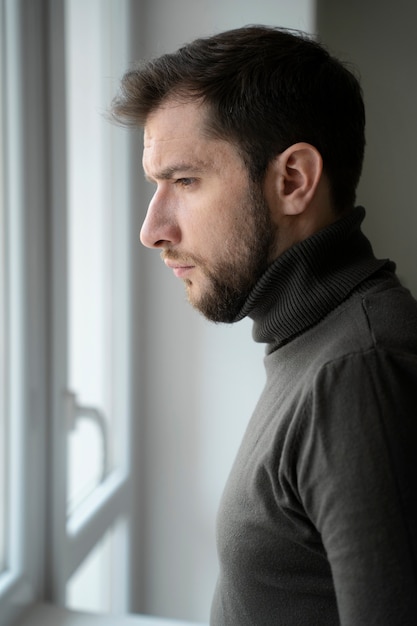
(266, 89)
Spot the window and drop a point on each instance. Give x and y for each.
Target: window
(64, 319)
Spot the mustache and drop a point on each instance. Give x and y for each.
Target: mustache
(177, 255)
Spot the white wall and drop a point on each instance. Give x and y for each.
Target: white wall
(198, 382)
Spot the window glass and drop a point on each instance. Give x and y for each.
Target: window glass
(85, 460)
(97, 360)
(98, 585)
(96, 245)
(89, 588)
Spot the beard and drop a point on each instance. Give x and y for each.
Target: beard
(244, 259)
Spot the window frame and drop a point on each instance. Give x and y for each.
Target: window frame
(25, 204)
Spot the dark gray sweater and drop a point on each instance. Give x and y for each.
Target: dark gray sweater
(318, 521)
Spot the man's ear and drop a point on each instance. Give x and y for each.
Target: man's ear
(296, 173)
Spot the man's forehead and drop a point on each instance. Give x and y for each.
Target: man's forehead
(176, 134)
(175, 119)
(173, 148)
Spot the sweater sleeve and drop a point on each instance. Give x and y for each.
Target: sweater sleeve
(357, 479)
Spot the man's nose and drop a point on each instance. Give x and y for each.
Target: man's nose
(160, 228)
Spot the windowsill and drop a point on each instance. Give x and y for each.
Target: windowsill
(48, 615)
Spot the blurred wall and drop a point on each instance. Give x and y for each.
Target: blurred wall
(378, 36)
(196, 383)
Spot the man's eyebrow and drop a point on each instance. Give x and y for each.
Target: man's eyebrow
(173, 170)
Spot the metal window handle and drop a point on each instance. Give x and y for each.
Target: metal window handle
(76, 411)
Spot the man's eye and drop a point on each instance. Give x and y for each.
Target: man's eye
(184, 182)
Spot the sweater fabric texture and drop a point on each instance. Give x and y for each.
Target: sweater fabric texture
(318, 521)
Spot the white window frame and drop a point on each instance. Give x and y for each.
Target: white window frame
(23, 580)
(45, 547)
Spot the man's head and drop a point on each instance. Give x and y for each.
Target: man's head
(254, 139)
(266, 89)
(209, 220)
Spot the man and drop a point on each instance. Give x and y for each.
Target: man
(254, 139)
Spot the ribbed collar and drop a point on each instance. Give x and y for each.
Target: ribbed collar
(310, 280)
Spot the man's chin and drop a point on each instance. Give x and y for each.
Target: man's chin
(194, 295)
(217, 306)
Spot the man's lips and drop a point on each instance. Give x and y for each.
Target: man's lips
(181, 270)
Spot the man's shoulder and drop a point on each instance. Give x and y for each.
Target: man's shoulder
(383, 317)
(380, 318)
(392, 318)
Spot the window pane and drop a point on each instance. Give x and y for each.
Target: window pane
(99, 584)
(89, 588)
(85, 459)
(97, 221)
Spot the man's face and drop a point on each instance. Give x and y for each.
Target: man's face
(210, 222)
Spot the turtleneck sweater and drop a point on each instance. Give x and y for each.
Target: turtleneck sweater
(310, 280)
(318, 521)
